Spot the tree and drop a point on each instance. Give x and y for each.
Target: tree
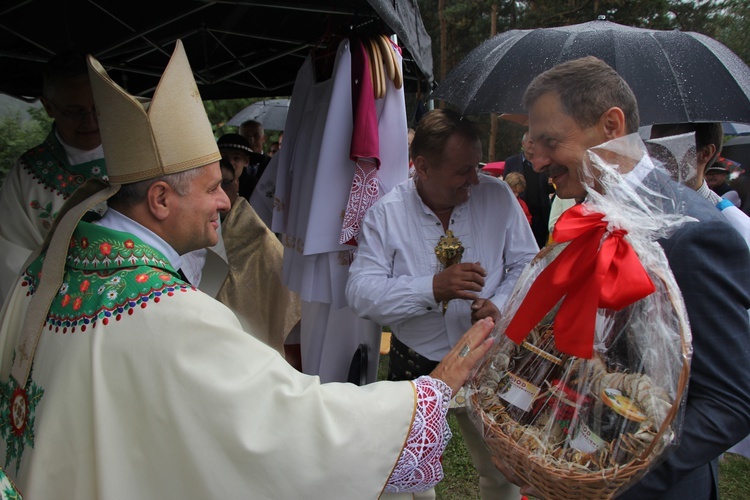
(17, 136)
(731, 27)
(221, 111)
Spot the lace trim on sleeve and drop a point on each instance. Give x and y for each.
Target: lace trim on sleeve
(419, 466)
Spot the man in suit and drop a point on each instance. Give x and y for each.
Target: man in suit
(583, 103)
(538, 190)
(252, 131)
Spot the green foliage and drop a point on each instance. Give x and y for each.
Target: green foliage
(549, 13)
(731, 27)
(695, 16)
(221, 111)
(17, 136)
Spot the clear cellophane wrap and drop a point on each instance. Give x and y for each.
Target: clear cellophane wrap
(599, 421)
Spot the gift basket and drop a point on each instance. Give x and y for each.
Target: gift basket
(582, 391)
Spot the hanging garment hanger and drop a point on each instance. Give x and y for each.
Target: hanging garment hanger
(392, 65)
(377, 62)
(324, 52)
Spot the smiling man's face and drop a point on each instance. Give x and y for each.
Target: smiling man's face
(193, 218)
(559, 145)
(445, 182)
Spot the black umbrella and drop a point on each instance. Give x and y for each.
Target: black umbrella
(676, 76)
(738, 149)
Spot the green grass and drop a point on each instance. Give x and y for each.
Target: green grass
(734, 477)
(462, 481)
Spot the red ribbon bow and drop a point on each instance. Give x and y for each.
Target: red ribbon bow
(598, 269)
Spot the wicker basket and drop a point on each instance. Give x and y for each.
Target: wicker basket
(553, 482)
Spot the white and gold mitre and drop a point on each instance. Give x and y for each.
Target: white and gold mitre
(145, 139)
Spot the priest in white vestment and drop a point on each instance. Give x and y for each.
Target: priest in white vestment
(46, 175)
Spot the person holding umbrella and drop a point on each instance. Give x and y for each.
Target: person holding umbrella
(581, 104)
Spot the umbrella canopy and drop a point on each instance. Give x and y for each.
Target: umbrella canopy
(736, 128)
(729, 128)
(236, 48)
(676, 76)
(495, 168)
(271, 113)
(738, 149)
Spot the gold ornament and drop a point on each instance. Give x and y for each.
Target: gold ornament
(449, 251)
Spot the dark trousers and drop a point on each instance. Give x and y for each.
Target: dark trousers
(406, 364)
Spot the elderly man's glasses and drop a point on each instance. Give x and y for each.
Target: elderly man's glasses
(77, 114)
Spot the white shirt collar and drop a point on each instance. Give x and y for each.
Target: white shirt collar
(77, 156)
(457, 210)
(706, 192)
(118, 222)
